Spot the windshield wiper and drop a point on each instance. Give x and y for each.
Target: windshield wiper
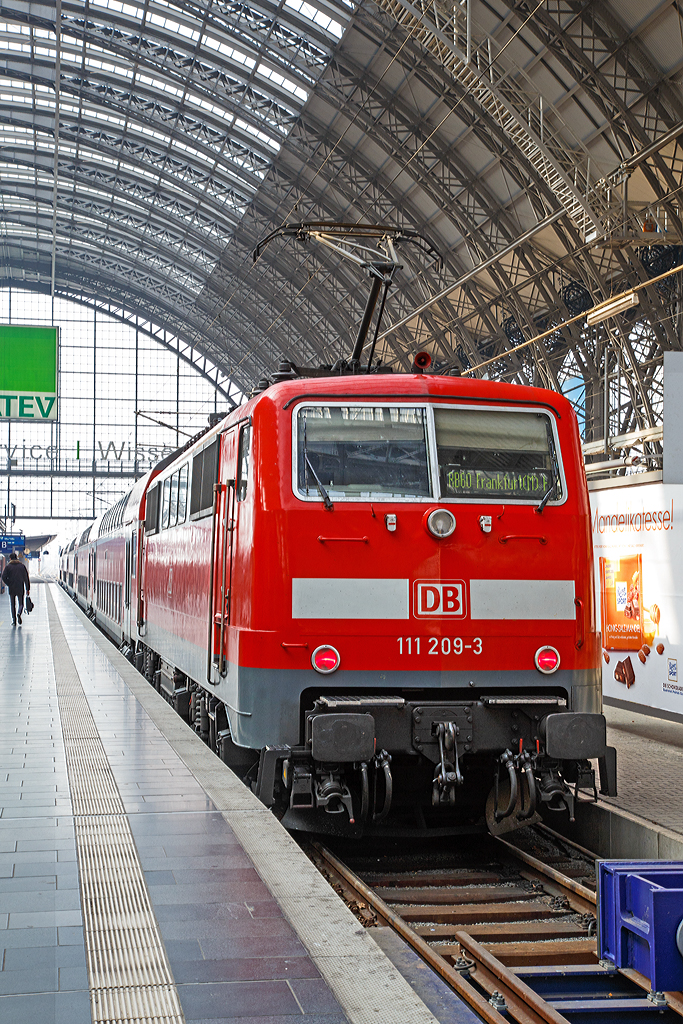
(327, 502)
(545, 498)
(323, 493)
(556, 469)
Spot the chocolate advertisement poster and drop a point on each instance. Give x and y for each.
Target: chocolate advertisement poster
(621, 603)
(638, 550)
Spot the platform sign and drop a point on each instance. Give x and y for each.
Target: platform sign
(11, 542)
(28, 373)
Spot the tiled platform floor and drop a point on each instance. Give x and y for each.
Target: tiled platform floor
(649, 766)
(233, 953)
(43, 977)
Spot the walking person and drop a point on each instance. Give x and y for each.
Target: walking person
(15, 578)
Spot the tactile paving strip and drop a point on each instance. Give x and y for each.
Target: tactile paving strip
(129, 976)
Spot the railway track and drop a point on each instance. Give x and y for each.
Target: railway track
(512, 934)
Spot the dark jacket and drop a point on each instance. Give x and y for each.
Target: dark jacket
(15, 577)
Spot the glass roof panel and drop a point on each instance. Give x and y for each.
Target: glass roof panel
(285, 83)
(261, 136)
(317, 16)
(220, 46)
(116, 5)
(171, 25)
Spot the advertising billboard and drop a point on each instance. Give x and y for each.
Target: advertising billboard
(28, 373)
(638, 547)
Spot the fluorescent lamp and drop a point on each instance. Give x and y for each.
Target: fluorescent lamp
(611, 307)
(601, 467)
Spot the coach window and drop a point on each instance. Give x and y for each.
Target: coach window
(152, 510)
(243, 464)
(165, 503)
(173, 513)
(182, 494)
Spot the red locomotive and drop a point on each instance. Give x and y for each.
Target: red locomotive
(373, 595)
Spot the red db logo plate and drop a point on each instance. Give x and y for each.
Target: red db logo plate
(439, 599)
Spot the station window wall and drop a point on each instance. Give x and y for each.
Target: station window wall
(112, 376)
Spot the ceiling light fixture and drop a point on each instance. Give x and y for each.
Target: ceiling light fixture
(611, 307)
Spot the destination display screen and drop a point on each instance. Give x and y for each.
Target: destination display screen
(496, 455)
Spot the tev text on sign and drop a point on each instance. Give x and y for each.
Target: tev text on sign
(439, 599)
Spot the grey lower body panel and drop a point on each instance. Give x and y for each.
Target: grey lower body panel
(264, 705)
(182, 654)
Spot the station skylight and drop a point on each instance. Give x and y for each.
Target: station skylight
(316, 16)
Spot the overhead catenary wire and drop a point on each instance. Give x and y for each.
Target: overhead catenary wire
(481, 74)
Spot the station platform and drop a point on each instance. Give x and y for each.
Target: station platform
(140, 880)
(649, 766)
(645, 820)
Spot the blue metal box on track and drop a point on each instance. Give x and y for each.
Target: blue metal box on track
(640, 919)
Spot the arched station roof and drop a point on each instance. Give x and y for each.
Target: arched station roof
(146, 146)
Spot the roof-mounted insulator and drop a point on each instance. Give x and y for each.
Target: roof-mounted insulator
(285, 371)
(262, 385)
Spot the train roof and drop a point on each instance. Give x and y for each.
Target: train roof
(385, 387)
(354, 387)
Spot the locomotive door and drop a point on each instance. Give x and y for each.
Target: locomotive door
(223, 531)
(126, 590)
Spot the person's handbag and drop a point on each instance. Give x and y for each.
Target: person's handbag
(29, 604)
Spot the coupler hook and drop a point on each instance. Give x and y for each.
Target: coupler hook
(448, 775)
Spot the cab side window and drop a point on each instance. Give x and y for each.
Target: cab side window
(152, 510)
(165, 503)
(182, 494)
(243, 464)
(173, 512)
(204, 476)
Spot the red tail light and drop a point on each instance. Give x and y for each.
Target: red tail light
(547, 660)
(325, 659)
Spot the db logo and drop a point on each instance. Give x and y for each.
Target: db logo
(437, 598)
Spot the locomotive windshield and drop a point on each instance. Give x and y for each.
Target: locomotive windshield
(363, 451)
(491, 454)
(432, 452)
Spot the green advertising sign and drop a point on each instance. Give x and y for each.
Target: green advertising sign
(28, 373)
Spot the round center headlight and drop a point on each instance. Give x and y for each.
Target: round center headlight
(547, 660)
(325, 659)
(441, 523)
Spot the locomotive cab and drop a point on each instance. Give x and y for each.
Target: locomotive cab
(430, 649)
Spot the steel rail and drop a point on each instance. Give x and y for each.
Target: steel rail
(509, 980)
(552, 873)
(485, 1010)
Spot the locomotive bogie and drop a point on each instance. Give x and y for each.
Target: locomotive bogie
(369, 594)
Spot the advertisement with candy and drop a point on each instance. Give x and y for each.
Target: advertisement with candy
(638, 547)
